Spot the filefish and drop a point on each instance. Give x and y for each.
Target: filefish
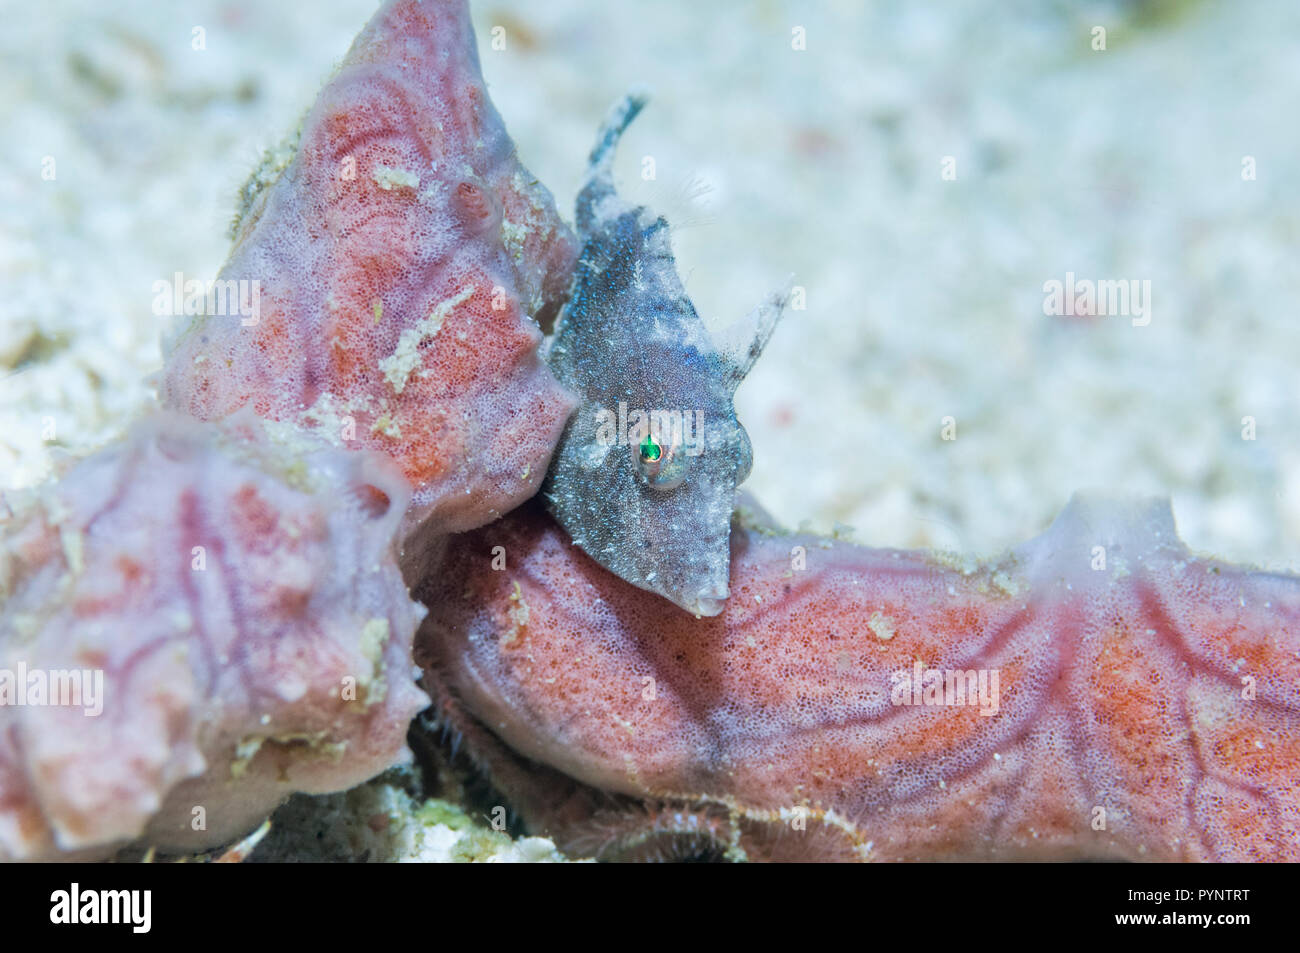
(645, 474)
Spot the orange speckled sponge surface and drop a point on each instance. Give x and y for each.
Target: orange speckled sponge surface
(852, 703)
(394, 268)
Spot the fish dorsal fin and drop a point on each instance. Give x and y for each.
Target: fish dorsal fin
(599, 184)
(740, 343)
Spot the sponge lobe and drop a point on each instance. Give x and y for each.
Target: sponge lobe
(1120, 726)
(246, 616)
(399, 260)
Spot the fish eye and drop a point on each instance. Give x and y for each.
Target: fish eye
(650, 449)
(661, 466)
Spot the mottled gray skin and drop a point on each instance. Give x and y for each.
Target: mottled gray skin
(630, 334)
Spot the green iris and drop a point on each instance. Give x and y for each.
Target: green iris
(650, 449)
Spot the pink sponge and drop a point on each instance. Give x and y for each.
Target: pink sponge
(397, 260)
(231, 615)
(1114, 696)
